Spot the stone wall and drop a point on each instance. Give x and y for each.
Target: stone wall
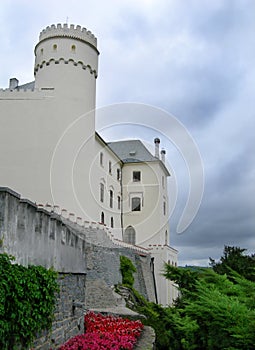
(69, 312)
(35, 236)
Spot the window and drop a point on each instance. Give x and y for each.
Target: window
(111, 198)
(102, 218)
(112, 222)
(136, 176)
(55, 46)
(73, 48)
(41, 51)
(164, 208)
(136, 204)
(166, 238)
(118, 202)
(101, 159)
(118, 174)
(129, 235)
(110, 167)
(163, 181)
(101, 192)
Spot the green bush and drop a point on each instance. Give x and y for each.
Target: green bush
(127, 269)
(27, 302)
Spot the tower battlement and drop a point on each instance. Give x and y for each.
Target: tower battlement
(72, 31)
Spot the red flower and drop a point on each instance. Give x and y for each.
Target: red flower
(105, 332)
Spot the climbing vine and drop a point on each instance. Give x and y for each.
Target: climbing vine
(27, 302)
(127, 269)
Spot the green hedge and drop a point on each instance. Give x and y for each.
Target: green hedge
(27, 302)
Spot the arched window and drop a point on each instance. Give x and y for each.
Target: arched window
(164, 208)
(111, 198)
(118, 174)
(129, 235)
(55, 46)
(73, 48)
(110, 167)
(101, 192)
(112, 222)
(102, 218)
(166, 237)
(119, 201)
(101, 159)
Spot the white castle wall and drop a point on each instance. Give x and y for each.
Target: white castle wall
(55, 114)
(150, 223)
(49, 151)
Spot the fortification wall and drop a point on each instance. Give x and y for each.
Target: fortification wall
(35, 236)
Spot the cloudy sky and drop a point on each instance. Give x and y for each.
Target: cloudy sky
(192, 59)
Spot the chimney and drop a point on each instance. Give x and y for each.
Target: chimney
(163, 155)
(157, 142)
(13, 83)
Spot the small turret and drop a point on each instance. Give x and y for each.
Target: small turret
(66, 60)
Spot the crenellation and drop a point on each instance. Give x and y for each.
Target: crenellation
(72, 31)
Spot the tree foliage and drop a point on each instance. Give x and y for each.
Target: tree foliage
(214, 311)
(234, 258)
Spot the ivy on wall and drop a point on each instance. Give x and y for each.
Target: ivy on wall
(27, 302)
(127, 269)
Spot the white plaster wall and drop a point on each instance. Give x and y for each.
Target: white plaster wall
(150, 223)
(44, 133)
(167, 291)
(100, 174)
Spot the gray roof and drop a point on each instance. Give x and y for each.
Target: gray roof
(27, 86)
(132, 151)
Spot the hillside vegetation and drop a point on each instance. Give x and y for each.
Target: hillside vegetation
(215, 309)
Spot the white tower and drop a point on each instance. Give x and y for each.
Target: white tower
(45, 116)
(66, 59)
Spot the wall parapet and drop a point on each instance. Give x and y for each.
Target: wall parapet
(45, 234)
(35, 236)
(72, 31)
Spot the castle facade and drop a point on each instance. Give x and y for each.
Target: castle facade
(51, 153)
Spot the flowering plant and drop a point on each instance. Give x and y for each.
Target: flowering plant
(105, 332)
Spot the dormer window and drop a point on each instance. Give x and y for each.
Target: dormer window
(132, 153)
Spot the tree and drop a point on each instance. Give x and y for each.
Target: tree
(234, 259)
(214, 311)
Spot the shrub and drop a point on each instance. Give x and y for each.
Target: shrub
(27, 301)
(127, 269)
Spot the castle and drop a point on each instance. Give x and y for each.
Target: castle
(51, 153)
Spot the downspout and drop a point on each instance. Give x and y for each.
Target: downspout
(154, 280)
(121, 202)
